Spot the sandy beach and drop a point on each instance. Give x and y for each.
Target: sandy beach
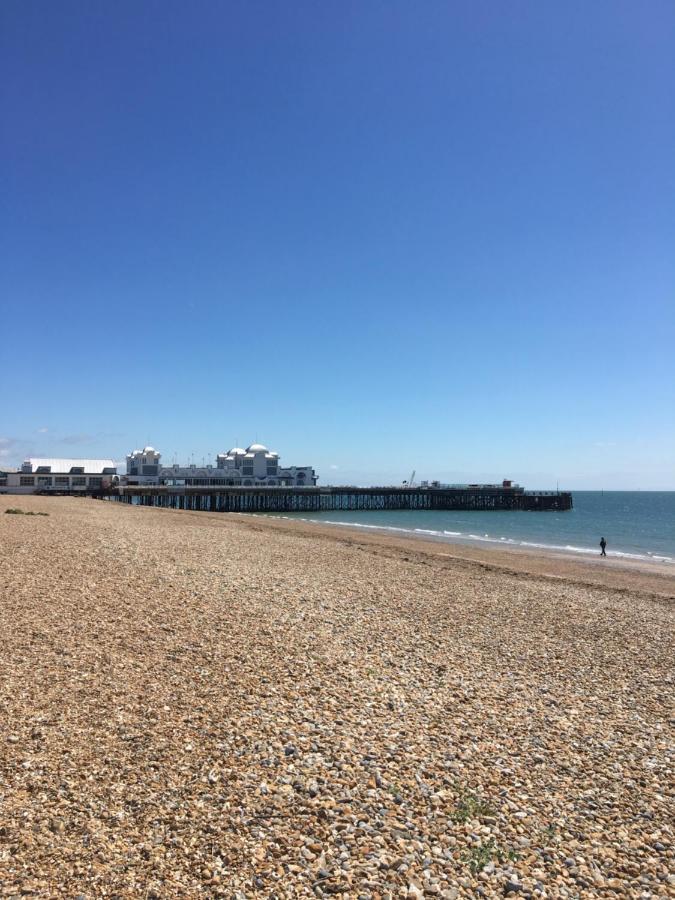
(204, 705)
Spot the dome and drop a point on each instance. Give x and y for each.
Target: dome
(236, 451)
(257, 448)
(149, 450)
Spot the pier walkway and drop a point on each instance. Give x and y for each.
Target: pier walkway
(319, 499)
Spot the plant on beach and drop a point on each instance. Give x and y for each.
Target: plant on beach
(479, 857)
(15, 511)
(395, 791)
(470, 807)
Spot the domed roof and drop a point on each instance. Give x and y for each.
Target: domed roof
(149, 450)
(257, 448)
(236, 451)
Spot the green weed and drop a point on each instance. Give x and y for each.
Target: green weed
(478, 857)
(471, 807)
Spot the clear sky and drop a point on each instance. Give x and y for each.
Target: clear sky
(376, 236)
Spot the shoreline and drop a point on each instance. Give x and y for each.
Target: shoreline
(646, 559)
(620, 573)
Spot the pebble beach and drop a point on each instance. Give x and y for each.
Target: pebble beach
(207, 705)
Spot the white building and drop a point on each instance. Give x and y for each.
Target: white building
(255, 466)
(143, 466)
(58, 475)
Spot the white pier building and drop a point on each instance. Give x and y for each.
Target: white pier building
(256, 466)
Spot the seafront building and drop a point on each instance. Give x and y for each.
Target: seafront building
(57, 474)
(256, 466)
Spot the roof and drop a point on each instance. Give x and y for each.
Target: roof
(144, 450)
(91, 466)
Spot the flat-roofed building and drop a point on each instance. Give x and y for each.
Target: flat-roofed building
(57, 475)
(5, 472)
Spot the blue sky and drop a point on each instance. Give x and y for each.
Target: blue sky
(375, 236)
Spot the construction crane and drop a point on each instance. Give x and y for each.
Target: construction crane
(411, 481)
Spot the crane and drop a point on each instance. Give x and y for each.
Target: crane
(411, 481)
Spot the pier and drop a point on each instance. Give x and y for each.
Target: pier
(326, 499)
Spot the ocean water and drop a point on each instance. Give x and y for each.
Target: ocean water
(635, 524)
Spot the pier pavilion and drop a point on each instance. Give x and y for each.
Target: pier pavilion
(256, 466)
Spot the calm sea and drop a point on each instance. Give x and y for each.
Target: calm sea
(636, 524)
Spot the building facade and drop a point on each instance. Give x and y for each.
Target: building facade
(55, 476)
(256, 466)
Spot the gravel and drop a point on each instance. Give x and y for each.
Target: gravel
(197, 705)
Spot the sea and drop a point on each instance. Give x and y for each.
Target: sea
(637, 525)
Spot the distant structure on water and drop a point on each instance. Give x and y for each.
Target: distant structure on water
(252, 480)
(254, 467)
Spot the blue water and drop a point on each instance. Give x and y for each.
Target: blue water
(635, 524)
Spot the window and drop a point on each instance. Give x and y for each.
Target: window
(79, 481)
(44, 480)
(62, 479)
(26, 481)
(247, 470)
(95, 482)
(77, 470)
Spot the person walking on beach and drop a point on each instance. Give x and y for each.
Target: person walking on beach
(603, 544)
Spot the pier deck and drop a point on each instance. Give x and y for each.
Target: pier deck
(320, 499)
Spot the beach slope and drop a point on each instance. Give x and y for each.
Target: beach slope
(200, 705)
